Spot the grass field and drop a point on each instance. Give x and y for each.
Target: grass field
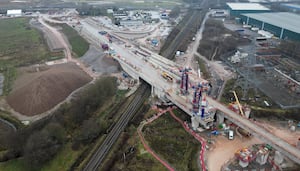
(20, 45)
(203, 69)
(62, 161)
(79, 45)
(168, 139)
(140, 159)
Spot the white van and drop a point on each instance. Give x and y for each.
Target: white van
(230, 135)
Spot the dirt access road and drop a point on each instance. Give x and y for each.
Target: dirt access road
(67, 50)
(224, 149)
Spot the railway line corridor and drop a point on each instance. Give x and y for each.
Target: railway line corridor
(98, 157)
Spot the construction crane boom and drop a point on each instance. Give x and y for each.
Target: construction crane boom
(238, 102)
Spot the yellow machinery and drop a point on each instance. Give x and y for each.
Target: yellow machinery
(238, 103)
(167, 77)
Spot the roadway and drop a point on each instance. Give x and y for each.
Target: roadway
(152, 75)
(60, 38)
(98, 157)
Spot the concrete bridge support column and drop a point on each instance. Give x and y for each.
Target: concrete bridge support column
(220, 118)
(195, 123)
(152, 91)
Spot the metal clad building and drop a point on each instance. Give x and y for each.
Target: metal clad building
(14, 13)
(291, 7)
(236, 9)
(284, 25)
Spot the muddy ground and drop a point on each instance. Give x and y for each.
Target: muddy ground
(39, 88)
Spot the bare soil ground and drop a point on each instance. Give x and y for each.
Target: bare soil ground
(38, 89)
(224, 150)
(281, 130)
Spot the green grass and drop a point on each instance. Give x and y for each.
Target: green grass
(168, 139)
(63, 160)
(79, 45)
(20, 45)
(23, 44)
(10, 74)
(14, 165)
(144, 160)
(203, 69)
(225, 98)
(7, 116)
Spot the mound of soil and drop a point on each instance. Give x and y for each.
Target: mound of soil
(39, 90)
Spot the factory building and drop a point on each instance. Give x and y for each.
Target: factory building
(14, 13)
(236, 9)
(282, 24)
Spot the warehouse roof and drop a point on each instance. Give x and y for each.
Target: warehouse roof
(286, 20)
(14, 11)
(246, 6)
(294, 6)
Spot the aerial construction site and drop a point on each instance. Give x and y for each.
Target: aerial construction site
(149, 85)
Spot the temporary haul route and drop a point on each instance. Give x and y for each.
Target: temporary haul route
(140, 128)
(151, 72)
(67, 51)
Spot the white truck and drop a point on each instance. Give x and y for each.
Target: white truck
(230, 135)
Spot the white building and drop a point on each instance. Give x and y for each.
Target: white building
(14, 13)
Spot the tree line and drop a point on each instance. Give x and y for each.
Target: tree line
(73, 122)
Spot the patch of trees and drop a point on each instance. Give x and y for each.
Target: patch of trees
(290, 48)
(73, 122)
(292, 114)
(41, 146)
(89, 10)
(217, 40)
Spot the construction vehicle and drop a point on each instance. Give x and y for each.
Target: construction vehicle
(105, 46)
(230, 135)
(167, 77)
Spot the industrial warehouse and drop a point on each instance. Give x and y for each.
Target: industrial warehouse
(282, 24)
(236, 9)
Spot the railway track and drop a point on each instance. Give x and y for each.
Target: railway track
(98, 157)
(185, 31)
